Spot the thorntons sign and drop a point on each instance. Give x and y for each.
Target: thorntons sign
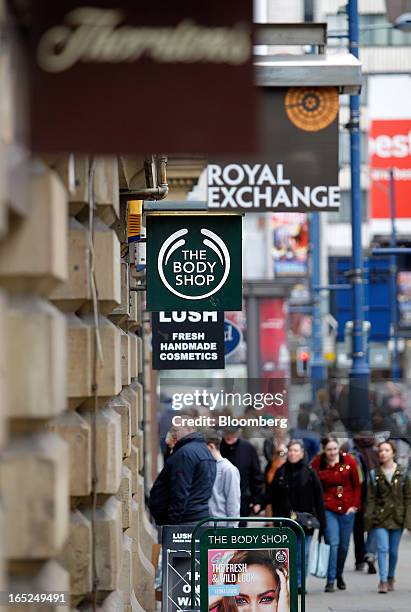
(100, 68)
(101, 35)
(260, 187)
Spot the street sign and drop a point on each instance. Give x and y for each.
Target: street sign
(234, 561)
(232, 337)
(390, 149)
(297, 170)
(194, 262)
(187, 340)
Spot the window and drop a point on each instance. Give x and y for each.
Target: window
(375, 30)
(344, 214)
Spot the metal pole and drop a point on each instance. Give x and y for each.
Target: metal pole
(395, 367)
(359, 373)
(318, 371)
(316, 363)
(253, 337)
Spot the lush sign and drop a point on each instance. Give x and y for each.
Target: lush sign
(176, 572)
(248, 568)
(193, 262)
(188, 340)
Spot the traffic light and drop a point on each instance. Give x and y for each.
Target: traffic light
(303, 360)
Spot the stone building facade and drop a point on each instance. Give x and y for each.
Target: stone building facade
(78, 428)
(72, 460)
(72, 379)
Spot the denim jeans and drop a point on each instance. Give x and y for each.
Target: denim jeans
(371, 545)
(337, 535)
(388, 542)
(308, 539)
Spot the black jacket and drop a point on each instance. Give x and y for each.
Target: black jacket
(243, 455)
(296, 486)
(181, 491)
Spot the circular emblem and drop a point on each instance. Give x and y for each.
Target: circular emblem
(191, 271)
(280, 556)
(311, 108)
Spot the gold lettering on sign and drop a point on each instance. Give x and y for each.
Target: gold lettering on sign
(95, 35)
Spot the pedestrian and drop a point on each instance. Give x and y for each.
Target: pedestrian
(243, 455)
(165, 416)
(170, 442)
(388, 511)
(342, 497)
(297, 489)
(225, 498)
(278, 458)
(365, 453)
(310, 438)
(334, 427)
(183, 488)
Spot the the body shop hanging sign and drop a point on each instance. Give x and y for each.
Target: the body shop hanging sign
(194, 262)
(99, 68)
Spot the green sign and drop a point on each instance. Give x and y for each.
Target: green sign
(248, 568)
(194, 262)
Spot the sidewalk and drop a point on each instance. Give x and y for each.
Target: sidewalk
(361, 594)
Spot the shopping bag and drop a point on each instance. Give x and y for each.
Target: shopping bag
(320, 559)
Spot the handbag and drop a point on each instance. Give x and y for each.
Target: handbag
(306, 520)
(320, 559)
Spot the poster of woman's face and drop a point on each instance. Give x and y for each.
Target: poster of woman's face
(248, 580)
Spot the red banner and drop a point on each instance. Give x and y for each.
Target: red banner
(273, 338)
(390, 148)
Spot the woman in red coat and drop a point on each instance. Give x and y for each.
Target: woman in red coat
(339, 477)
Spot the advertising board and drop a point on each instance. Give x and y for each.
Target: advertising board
(187, 340)
(194, 262)
(248, 567)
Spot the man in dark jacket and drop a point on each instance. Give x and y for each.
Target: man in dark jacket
(244, 456)
(181, 491)
(365, 454)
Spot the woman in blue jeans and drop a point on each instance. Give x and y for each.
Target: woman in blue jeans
(297, 489)
(388, 511)
(340, 481)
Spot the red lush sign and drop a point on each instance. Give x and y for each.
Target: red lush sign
(117, 76)
(390, 148)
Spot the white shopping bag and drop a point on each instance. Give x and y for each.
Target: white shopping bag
(320, 559)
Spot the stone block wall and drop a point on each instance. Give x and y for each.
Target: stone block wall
(72, 395)
(72, 509)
